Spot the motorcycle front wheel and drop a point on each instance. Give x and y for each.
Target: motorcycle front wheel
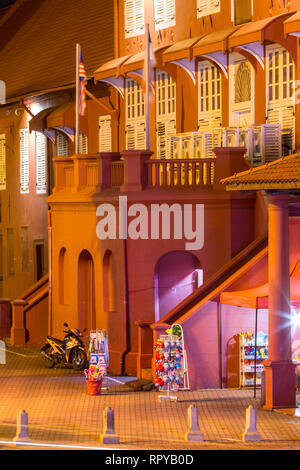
(48, 362)
(78, 359)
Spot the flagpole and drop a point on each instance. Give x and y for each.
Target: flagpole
(77, 124)
(147, 87)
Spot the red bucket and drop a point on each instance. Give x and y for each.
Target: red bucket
(93, 387)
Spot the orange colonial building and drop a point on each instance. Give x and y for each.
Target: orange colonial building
(226, 97)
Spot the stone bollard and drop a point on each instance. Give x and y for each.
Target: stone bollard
(109, 434)
(22, 429)
(193, 433)
(251, 433)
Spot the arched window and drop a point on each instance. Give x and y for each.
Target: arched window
(243, 83)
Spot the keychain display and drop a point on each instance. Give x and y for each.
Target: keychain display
(170, 364)
(98, 357)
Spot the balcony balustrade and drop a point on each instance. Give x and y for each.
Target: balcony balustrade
(137, 170)
(262, 142)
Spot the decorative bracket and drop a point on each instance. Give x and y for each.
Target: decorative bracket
(117, 83)
(188, 65)
(257, 50)
(220, 59)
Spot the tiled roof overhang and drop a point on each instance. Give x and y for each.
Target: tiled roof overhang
(281, 174)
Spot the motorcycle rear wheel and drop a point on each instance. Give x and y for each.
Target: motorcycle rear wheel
(78, 359)
(47, 362)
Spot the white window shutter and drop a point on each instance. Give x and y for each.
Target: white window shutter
(165, 112)
(208, 7)
(135, 116)
(271, 142)
(83, 144)
(130, 137)
(2, 162)
(105, 133)
(209, 96)
(41, 163)
(24, 161)
(62, 146)
(164, 14)
(134, 18)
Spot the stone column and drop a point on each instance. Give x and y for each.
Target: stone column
(135, 170)
(18, 332)
(280, 377)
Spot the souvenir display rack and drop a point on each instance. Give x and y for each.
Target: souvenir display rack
(171, 364)
(98, 354)
(251, 364)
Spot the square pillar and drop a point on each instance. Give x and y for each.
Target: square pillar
(18, 332)
(104, 169)
(229, 160)
(280, 376)
(5, 317)
(135, 170)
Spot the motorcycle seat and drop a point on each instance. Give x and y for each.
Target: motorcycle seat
(58, 341)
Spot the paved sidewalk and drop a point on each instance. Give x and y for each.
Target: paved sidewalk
(61, 413)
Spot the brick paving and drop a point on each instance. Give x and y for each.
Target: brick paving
(61, 413)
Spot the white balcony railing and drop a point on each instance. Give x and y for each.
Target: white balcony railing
(263, 143)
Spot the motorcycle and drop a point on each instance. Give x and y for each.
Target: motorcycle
(70, 351)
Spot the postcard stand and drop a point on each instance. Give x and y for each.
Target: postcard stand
(171, 366)
(98, 353)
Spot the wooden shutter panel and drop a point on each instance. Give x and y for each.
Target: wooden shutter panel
(41, 163)
(2, 162)
(130, 137)
(105, 133)
(164, 14)
(271, 142)
(141, 135)
(24, 161)
(134, 18)
(62, 145)
(202, 8)
(83, 143)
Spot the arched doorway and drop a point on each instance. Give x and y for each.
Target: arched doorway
(86, 292)
(177, 275)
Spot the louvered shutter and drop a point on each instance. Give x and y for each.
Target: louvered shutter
(209, 96)
(164, 14)
(130, 137)
(62, 145)
(2, 163)
(141, 135)
(165, 113)
(134, 18)
(271, 142)
(105, 133)
(164, 130)
(41, 163)
(208, 7)
(83, 144)
(24, 161)
(135, 116)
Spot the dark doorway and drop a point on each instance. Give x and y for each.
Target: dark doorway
(39, 260)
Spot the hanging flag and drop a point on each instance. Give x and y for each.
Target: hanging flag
(82, 87)
(150, 63)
